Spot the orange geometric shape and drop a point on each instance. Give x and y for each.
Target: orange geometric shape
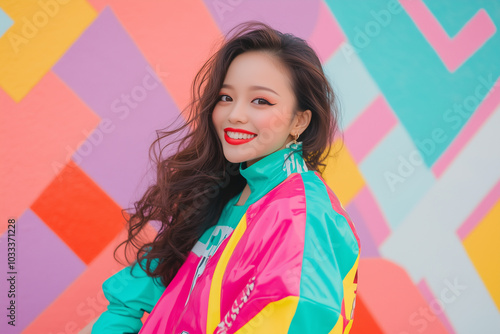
(83, 301)
(175, 56)
(38, 136)
(394, 301)
(79, 212)
(363, 320)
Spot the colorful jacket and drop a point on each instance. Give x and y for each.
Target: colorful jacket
(284, 262)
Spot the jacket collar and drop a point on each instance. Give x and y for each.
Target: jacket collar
(268, 172)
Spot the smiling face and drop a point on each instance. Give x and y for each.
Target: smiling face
(254, 115)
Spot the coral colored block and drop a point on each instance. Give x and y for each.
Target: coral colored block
(394, 300)
(37, 138)
(79, 212)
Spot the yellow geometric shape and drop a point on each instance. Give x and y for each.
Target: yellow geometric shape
(213, 312)
(275, 317)
(342, 174)
(42, 32)
(484, 251)
(339, 326)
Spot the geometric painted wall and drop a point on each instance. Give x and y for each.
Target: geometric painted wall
(85, 84)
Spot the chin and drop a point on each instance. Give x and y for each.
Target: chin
(237, 158)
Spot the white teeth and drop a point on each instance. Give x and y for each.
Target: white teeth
(239, 135)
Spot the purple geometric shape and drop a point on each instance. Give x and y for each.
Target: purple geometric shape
(296, 17)
(105, 69)
(45, 266)
(368, 245)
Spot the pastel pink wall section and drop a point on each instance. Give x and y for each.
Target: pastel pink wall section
(327, 35)
(372, 125)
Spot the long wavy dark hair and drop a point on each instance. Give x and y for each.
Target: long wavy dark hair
(194, 184)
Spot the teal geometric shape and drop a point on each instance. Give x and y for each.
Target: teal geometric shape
(425, 96)
(397, 175)
(5, 22)
(452, 14)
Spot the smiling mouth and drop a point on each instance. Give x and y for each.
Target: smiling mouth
(237, 138)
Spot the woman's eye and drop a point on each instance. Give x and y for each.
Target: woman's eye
(227, 98)
(221, 98)
(262, 101)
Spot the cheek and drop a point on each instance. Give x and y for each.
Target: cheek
(216, 119)
(274, 122)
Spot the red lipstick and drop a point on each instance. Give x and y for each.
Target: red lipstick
(233, 141)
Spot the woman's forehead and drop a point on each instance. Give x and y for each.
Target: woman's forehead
(257, 69)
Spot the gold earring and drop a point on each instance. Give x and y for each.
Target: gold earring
(295, 139)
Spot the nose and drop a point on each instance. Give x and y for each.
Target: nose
(238, 113)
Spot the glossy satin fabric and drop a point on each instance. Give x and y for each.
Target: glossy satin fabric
(289, 266)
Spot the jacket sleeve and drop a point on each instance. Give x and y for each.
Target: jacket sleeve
(130, 294)
(306, 280)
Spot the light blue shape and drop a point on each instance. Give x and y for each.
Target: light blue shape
(351, 82)
(408, 71)
(5, 22)
(397, 175)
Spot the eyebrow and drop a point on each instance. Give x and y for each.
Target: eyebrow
(253, 88)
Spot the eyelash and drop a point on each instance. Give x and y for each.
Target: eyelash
(259, 98)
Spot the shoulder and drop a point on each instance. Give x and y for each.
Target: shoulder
(300, 189)
(311, 200)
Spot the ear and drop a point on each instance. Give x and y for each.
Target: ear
(302, 120)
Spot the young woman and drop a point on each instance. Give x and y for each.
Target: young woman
(252, 239)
